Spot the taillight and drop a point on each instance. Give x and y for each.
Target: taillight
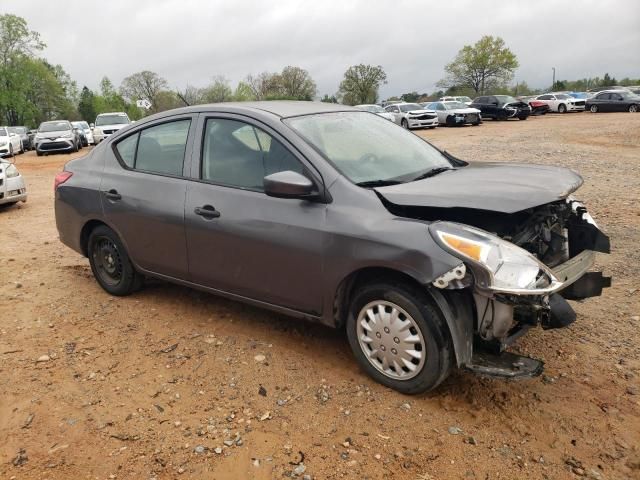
(60, 179)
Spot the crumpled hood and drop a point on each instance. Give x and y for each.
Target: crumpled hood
(464, 110)
(499, 187)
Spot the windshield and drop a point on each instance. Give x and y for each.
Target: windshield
(464, 99)
(454, 105)
(111, 120)
(54, 126)
(371, 108)
(505, 99)
(18, 130)
(367, 148)
(409, 106)
(83, 125)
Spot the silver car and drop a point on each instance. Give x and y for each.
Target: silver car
(56, 136)
(413, 115)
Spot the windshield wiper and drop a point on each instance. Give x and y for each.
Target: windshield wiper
(377, 183)
(431, 173)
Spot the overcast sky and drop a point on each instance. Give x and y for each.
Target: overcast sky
(189, 42)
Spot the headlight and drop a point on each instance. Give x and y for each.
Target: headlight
(12, 171)
(66, 135)
(499, 265)
(3, 143)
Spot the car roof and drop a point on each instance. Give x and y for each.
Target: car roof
(279, 108)
(111, 113)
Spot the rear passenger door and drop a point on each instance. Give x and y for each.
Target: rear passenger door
(143, 190)
(240, 240)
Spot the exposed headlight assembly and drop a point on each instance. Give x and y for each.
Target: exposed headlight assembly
(499, 266)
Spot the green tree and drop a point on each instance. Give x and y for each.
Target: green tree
(329, 99)
(218, 91)
(296, 84)
(243, 93)
(144, 85)
(361, 84)
(486, 65)
(411, 97)
(86, 105)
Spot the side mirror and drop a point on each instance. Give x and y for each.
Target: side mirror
(288, 184)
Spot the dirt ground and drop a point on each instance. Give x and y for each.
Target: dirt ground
(174, 383)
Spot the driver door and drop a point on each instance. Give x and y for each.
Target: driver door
(240, 240)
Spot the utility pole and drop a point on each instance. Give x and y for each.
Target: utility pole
(554, 78)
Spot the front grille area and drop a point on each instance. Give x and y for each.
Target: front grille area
(53, 145)
(426, 116)
(108, 132)
(472, 117)
(579, 103)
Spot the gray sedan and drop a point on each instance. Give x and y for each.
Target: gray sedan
(334, 215)
(454, 114)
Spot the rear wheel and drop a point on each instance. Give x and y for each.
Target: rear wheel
(633, 108)
(399, 337)
(110, 263)
(593, 109)
(562, 108)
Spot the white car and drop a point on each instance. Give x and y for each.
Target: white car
(10, 143)
(377, 109)
(12, 187)
(562, 103)
(107, 124)
(412, 115)
(461, 99)
(452, 114)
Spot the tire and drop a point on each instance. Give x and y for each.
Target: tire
(502, 116)
(593, 109)
(75, 148)
(110, 263)
(39, 153)
(523, 117)
(10, 150)
(427, 327)
(633, 108)
(404, 123)
(21, 148)
(562, 108)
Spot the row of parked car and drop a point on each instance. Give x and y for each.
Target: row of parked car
(60, 135)
(462, 110)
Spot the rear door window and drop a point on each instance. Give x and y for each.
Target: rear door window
(157, 149)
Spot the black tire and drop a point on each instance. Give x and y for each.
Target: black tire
(75, 148)
(39, 153)
(524, 117)
(419, 305)
(117, 276)
(633, 108)
(404, 123)
(11, 150)
(562, 108)
(593, 109)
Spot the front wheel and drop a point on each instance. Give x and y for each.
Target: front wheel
(633, 108)
(593, 109)
(404, 123)
(562, 108)
(399, 337)
(110, 263)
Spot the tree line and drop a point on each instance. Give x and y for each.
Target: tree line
(33, 90)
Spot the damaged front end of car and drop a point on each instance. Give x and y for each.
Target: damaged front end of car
(521, 269)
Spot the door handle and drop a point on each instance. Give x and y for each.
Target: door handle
(112, 194)
(207, 211)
